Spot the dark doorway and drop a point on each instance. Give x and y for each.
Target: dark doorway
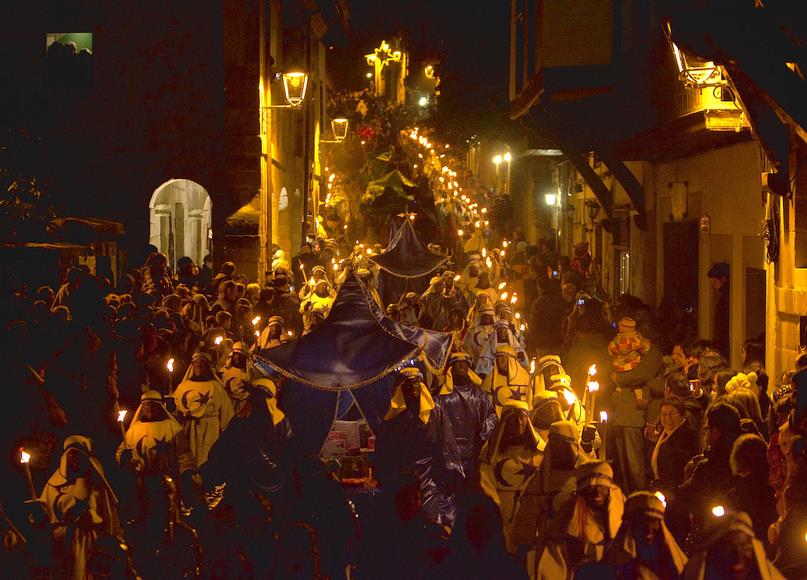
(681, 266)
(755, 290)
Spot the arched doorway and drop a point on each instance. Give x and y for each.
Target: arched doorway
(180, 220)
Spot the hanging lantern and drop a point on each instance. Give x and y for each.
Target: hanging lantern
(339, 128)
(295, 84)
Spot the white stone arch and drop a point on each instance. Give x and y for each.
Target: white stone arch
(180, 220)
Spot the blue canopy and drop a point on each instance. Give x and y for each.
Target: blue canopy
(350, 357)
(406, 257)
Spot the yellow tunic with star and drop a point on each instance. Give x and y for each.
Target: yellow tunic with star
(206, 410)
(514, 386)
(505, 472)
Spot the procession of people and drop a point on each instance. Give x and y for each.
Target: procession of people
(565, 434)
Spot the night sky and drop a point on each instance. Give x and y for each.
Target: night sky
(471, 36)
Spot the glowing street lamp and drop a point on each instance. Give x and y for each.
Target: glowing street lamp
(339, 127)
(295, 84)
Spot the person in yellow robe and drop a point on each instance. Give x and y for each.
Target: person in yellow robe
(81, 508)
(203, 405)
(644, 548)
(155, 441)
(585, 526)
(508, 381)
(237, 372)
(508, 461)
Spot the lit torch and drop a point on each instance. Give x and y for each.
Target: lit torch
(121, 418)
(25, 458)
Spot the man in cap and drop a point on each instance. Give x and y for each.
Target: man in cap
(416, 436)
(644, 548)
(586, 525)
(509, 381)
(470, 411)
(509, 459)
(204, 407)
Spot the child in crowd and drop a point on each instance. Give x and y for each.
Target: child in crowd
(626, 350)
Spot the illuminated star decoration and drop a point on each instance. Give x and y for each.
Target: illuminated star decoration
(383, 55)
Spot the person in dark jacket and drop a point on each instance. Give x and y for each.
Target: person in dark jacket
(546, 318)
(752, 493)
(719, 276)
(711, 478)
(677, 445)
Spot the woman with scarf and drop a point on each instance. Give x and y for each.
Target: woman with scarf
(509, 459)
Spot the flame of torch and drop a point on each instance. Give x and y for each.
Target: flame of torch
(170, 365)
(121, 415)
(592, 370)
(218, 340)
(25, 457)
(593, 386)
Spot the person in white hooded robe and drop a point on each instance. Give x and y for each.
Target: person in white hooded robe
(81, 509)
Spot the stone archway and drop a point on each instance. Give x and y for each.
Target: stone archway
(180, 220)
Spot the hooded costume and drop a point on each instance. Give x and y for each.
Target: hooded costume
(420, 441)
(81, 508)
(470, 411)
(158, 445)
(631, 557)
(478, 339)
(235, 375)
(550, 378)
(315, 304)
(514, 385)
(699, 566)
(266, 339)
(434, 304)
(506, 469)
(549, 490)
(205, 409)
(578, 535)
(252, 456)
